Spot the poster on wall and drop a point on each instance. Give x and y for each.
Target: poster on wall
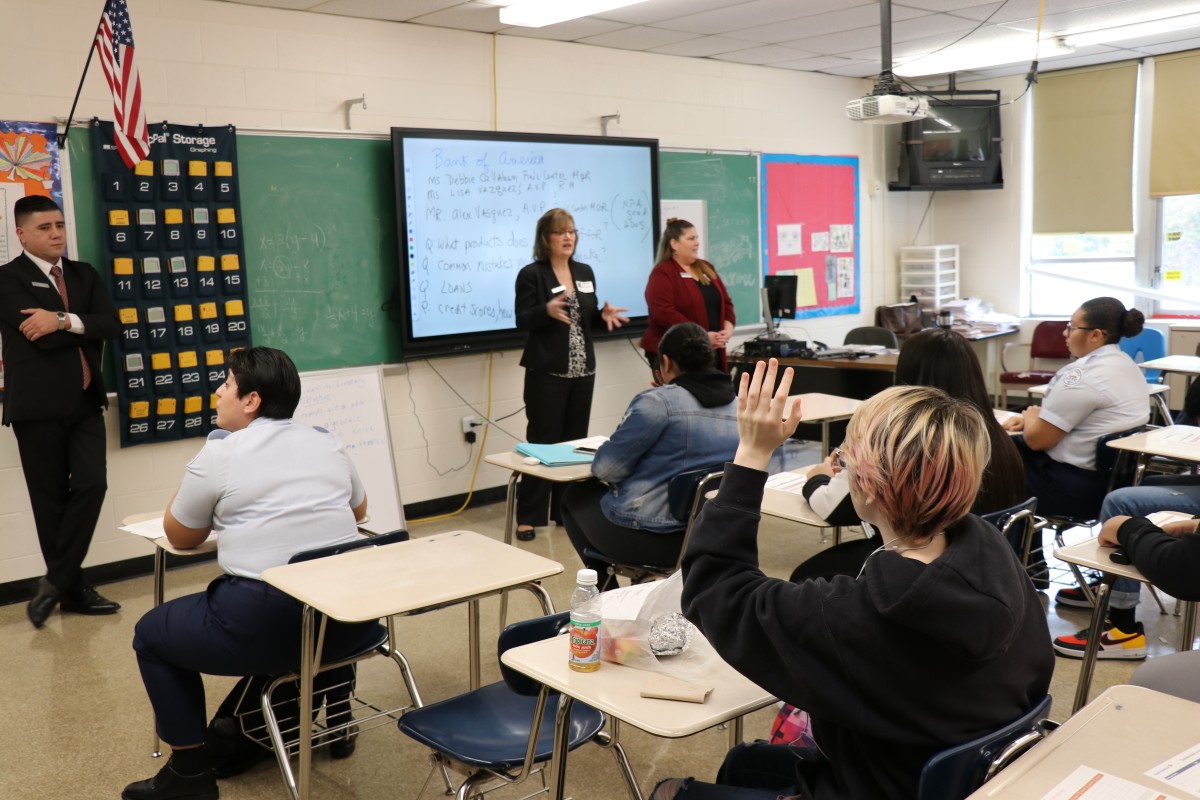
(175, 259)
(810, 229)
(29, 165)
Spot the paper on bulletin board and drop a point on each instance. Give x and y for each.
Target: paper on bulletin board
(806, 289)
(820, 242)
(791, 239)
(695, 212)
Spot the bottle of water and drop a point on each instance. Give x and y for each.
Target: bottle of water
(585, 623)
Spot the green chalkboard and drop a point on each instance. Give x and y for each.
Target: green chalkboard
(321, 259)
(729, 185)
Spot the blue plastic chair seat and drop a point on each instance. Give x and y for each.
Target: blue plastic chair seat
(489, 727)
(1148, 345)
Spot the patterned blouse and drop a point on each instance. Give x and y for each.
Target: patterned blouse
(576, 347)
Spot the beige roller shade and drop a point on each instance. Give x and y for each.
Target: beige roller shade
(1083, 150)
(1175, 141)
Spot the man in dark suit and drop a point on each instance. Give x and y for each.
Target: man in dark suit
(54, 317)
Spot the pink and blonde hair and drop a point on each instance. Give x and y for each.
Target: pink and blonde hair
(919, 455)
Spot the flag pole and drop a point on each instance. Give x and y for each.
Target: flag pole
(62, 137)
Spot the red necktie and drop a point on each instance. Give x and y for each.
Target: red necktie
(56, 273)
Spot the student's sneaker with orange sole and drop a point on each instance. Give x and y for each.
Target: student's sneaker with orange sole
(1114, 643)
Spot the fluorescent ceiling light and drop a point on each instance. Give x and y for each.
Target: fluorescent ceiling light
(536, 13)
(979, 56)
(1132, 31)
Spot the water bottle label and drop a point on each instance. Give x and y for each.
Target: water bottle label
(585, 642)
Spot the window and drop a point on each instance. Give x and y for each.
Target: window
(1179, 243)
(1108, 258)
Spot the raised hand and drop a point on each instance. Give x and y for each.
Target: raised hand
(612, 316)
(765, 419)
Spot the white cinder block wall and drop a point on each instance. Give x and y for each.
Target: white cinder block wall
(211, 62)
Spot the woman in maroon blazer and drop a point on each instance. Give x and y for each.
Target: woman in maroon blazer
(685, 288)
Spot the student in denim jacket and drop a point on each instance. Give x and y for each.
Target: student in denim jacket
(690, 420)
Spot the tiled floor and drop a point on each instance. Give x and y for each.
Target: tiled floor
(78, 723)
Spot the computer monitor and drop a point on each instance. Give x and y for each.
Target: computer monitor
(781, 291)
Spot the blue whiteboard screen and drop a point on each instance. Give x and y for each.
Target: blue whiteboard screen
(469, 203)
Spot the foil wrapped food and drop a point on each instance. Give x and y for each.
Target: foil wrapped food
(670, 634)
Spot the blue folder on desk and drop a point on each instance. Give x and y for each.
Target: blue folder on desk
(554, 455)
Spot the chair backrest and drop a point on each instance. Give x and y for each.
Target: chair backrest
(872, 334)
(1117, 465)
(954, 773)
(1148, 345)
(1048, 341)
(525, 632)
(681, 489)
(1016, 524)
(336, 549)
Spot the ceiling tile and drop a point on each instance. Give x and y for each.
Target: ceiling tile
(820, 63)
(743, 15)
(465, 17)
(638, 37)
(570, 31)
(294, 5)
(651, 11)
(1164, 47)
(841, 43)
(819, 24)
(701, 47)
(764, 54)
(855, 69)
(384, 9)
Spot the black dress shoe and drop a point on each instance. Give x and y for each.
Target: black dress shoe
(88, 601)
(43, 603)
(344, 745)
(170, 785)
(526, 536)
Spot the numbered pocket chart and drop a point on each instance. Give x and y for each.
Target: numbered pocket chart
(175, 263)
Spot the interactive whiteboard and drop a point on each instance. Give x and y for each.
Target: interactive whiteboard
(349, 403)
(469, 203)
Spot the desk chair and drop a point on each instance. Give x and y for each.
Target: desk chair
(872, 334)
(1048, 344)
(685, 495)
(1018, 524)
(1117, 466)
(956, 772)
(1148, 345)
(340, 725)
(501, 733)
(1176, 674)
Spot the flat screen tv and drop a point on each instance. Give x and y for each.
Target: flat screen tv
(956, 147)
(468, 203)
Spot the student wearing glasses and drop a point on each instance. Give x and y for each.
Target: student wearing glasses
(939, 639)
(556, 306)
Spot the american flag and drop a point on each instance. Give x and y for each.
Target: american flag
(114, 45)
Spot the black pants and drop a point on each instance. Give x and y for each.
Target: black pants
(239, 626)
(558, 409)
(1062, 490)
(587, 526)
(64, 461)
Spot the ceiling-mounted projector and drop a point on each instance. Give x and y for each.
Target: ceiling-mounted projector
(887, 109)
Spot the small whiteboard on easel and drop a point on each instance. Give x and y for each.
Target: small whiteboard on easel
(695, 212)
(349, 403)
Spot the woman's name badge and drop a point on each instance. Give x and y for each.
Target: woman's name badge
(558, 289)
(584, 286)
(685, 275)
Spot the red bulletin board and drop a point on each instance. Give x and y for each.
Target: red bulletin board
(811, 230)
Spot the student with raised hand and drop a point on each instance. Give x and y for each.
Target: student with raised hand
(271, 488)
(556, 305)
(685, 288)
(944, 360)
(939, 639)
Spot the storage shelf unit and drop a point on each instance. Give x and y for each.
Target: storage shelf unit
(931, 273)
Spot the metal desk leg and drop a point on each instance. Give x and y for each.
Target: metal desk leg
(735, 732)
(562, 735)
(308, 660)
(473, 642)
(825, 439)
(1163, 409)
(1093, 646)
(611, 740)
(1188, 624)
(160, 577)
(510, 510)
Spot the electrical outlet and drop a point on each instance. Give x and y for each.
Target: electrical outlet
(468, 424)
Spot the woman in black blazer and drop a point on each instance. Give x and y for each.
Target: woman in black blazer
(556, 305)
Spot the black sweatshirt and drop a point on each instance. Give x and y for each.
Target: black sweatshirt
(894, 666)
(1171, 563)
